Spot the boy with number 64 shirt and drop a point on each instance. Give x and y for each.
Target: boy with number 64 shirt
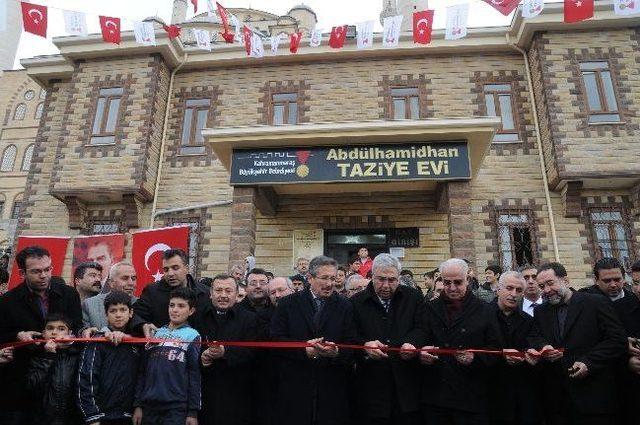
(168, 388)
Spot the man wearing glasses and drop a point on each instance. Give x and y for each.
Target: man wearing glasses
(24, 310)
(388, 314)
(455, 388)
(313, 385)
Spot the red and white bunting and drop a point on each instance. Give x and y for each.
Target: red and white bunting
(364, 34)
(626, 7)
(145, 33)
(35, 19)
(110, 28)
(294, 42)
(457, 17)
(75, 23)
(391, 31)
(422, 26)
(577, 10)
(532, 8)
(316, 38)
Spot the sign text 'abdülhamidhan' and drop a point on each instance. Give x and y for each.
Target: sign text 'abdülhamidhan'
(365, 163)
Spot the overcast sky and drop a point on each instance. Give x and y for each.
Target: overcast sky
(329, 12)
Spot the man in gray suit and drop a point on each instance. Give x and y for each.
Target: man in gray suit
(122, 277)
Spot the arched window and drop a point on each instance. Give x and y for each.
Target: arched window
(17, 206)
(39, 110)
(26, 159)
(21, 112)
(8, 158)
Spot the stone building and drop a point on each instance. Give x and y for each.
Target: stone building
(515, 144)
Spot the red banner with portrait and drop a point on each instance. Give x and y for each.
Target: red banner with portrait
(57, 247)
(105, 250)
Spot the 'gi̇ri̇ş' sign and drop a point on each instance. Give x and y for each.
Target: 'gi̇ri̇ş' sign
(364, 163)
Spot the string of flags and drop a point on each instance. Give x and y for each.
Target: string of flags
(35, 21)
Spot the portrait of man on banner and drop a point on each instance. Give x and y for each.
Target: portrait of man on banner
(105, 250)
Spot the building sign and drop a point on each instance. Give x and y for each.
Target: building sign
(363, 163)
(307, 244)
(408, 237)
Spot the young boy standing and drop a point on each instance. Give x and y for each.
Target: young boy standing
(51, 375)
(168, 389)
(108, 372)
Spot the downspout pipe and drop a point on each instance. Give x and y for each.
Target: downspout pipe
(163, 143)
(543, 168)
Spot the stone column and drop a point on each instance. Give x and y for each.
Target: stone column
(243, 224)
(460, 220)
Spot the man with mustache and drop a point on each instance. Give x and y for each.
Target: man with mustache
(313, 380)
(388, 314)
(226, 371)
(455, 388)
(580, 380)
(515, 400)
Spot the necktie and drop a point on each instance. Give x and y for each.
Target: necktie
(318, 313)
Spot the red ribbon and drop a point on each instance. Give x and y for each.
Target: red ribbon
(270, 345)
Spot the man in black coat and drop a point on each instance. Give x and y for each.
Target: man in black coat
(152, 308)
(22, 317)
(226, 371)
(516, 388)
(257, 300)
(579, 382)
(455, 388)
(313, 380)
(388, 315)
(609, 275)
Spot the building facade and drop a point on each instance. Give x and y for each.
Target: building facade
(545, 115)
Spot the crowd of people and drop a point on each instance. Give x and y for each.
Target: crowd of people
(365, 345)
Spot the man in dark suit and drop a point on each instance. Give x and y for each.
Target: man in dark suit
(388, 314)
(609, 276)
(226, 371)
(23, 311)
(455, 388)
(313, 380)
(516, 386)
(579, 382)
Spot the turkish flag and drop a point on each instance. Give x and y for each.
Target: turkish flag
(294, 40)
(147, 249)
(247, 34)
(172, 30)
(422, 26)
(110, 29)
(57, 247)
(34, 19)
(577, 10)
(195, 5)
(224, 16)
(503, 6)
(338, 36)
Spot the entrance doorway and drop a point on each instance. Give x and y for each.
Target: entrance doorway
(344, 244)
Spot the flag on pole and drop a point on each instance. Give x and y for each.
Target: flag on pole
(110, 28)
(532, 8)
(248, 35)
(316, 38)
(294, 42)
(172, 30)
(422, 26)
(275, 43)
(364, 34)
(338, 37)
(145, 34)
(195, 5)
(626, 7)
(203, 39)
(34, 19)
(577, 10)
(75, 23)
(224, 17)
(391, 31)
(457, 17)
(503, 6)
(257, 46)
